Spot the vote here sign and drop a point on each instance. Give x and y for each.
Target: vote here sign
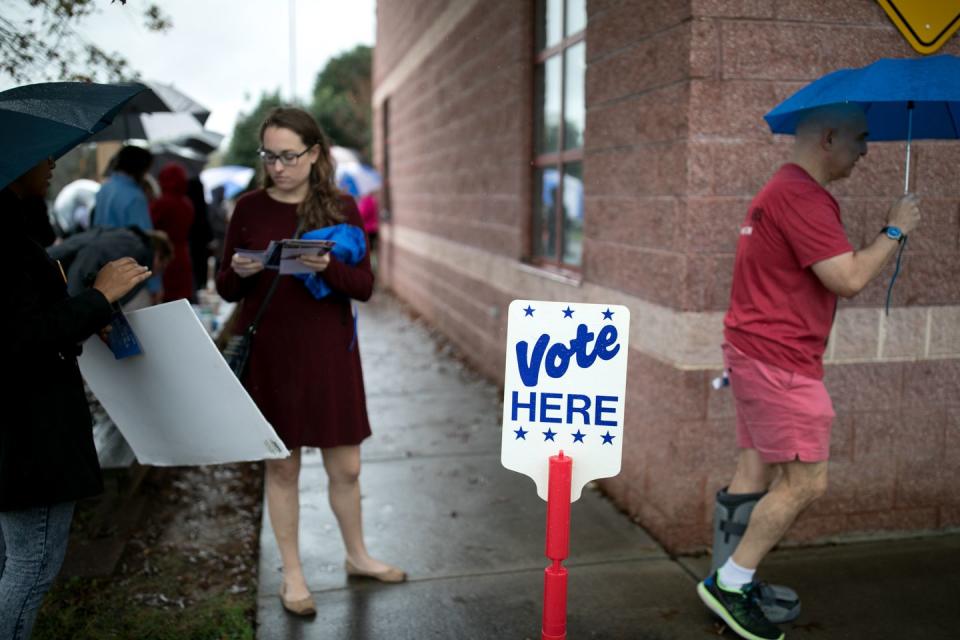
(564, 389)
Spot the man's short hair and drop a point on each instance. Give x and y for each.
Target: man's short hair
(133, 161)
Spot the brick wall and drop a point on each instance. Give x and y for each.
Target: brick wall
(675, 147)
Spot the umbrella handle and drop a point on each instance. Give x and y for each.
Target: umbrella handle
(906, 176)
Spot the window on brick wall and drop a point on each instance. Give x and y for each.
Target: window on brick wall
(560, 119)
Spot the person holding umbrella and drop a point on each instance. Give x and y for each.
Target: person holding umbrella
(47, 454)
(793, 261)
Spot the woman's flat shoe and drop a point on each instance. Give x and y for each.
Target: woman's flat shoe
(391, 575)
(302, 607)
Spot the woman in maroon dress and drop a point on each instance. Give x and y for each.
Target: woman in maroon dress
(304, 370)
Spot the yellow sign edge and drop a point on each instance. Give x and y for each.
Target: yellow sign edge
(907, 31)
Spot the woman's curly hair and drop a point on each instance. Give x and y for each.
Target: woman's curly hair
(321, 207)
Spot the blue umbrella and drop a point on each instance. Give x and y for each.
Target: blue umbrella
(357, 179)
(903, 99)
(46, 120)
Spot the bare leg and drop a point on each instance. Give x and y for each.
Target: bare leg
(799, 484)
(343, 470)
(283, 503)
(753, 475)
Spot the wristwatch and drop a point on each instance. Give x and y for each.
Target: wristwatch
(894, 233)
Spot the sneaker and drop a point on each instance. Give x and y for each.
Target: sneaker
(779, 604)
(739, 610)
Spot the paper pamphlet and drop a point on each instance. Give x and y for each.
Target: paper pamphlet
(283, 254)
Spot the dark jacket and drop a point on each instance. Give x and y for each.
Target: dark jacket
(82, 255)
(47, 453)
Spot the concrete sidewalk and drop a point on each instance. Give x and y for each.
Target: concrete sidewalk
(471, 536)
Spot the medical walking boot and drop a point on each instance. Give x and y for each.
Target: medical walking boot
(730, 518)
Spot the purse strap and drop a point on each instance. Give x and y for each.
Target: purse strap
(252, 329)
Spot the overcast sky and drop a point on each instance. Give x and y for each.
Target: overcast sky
(225, 53)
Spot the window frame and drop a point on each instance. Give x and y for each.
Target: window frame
(556, 160)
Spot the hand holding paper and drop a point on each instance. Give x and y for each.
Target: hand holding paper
(288, 256)
(246, 263)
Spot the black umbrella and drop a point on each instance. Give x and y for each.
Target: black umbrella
(158, 98)
(46, 120)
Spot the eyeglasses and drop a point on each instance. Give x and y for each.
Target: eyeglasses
(287, 158)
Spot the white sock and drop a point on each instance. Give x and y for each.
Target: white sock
(733, 576)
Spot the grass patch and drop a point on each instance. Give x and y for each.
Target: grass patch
(187, 572)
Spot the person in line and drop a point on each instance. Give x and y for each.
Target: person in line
(370, 212)
(200, 235)
(306, 341)
(121, 200)
(47, 455)
(83, 254)
(793, 260)
(173, 213)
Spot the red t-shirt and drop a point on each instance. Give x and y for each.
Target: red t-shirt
(780, 313)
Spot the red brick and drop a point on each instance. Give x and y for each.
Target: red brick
(949, 516)
(620, 25)
(874, 483)
(734, 8)
(733, 168)
(933, 167)
(705, 49)
(935, 382)
(875, 438)
(731, 109)
(920, 484)
(653, 117)
(834, 11)
(773, 51)
(709, 278)
(720, 404)
(842, 439)
(896, 520)
(647, 274)
(650, 223)
(810, 528)
(656, 61)
(712, 224)
(865, 387)
(659, 390)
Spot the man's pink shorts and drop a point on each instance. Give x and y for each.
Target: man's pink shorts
(785, 416)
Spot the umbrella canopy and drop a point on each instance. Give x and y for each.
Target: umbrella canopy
(887, 90)
(357, 179)
(233, 179)
(46, 120)
(158, 98)
(73, 205)
(343, 154)
(204, 141)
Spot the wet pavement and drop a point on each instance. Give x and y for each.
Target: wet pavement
(471, 535)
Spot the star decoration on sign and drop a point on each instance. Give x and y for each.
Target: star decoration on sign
(608, 439)
(608, 315)
(568, 312)
(548, 435)
(528, 311)
(578, 437)
(521, 434)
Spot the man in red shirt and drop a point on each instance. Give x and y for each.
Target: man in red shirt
(793, 260)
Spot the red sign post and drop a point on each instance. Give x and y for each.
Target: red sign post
(558, 548)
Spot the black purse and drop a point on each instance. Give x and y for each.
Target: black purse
(237, 350)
